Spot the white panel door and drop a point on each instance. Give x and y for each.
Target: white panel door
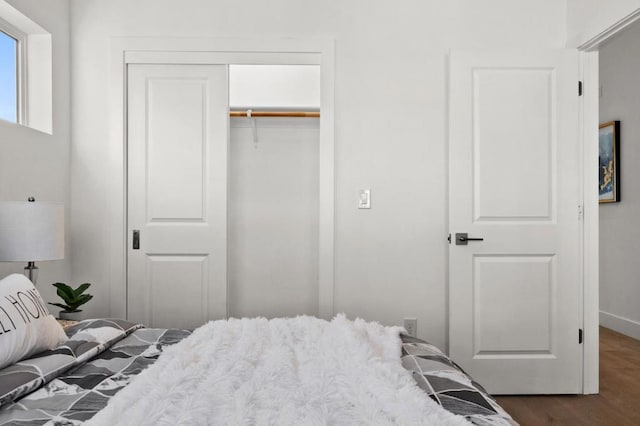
(177, 194)
(514, 181)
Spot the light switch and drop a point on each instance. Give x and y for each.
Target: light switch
(364, 199)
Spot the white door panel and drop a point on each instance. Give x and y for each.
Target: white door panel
(515, 296)
(500, 133)
(175, 134)
(177, 198)
(166, 309)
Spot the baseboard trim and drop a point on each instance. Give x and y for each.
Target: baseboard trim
(620, 324)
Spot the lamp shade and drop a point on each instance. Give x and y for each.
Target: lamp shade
(31, 231)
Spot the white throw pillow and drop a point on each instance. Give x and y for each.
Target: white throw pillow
(26, 326)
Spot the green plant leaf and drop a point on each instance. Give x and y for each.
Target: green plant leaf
(81, 289)
(72, 298)
(84, 298)
(64, 296)
(59, 305)
(65, 292)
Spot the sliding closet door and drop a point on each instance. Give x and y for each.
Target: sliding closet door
(177, 194)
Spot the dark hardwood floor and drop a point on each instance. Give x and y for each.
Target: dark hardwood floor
(618, 402)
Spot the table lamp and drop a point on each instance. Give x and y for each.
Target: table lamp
(31, 231)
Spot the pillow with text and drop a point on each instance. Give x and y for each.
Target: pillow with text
(26, 326)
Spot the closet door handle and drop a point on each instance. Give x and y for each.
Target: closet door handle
(136, 239)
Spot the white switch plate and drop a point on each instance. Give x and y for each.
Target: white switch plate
(364, 199)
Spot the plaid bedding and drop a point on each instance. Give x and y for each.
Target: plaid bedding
(78, 394)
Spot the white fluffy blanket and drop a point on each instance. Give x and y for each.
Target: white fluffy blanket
(294, 371)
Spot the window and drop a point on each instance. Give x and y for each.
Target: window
(8, 77)
(26, 84)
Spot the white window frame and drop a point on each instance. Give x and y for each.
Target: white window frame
(21, 71)
(35, 72)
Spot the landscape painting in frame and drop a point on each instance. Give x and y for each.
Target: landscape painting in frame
(609, 185)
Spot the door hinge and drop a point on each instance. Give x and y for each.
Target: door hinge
(579, 336)
(449, 238)
(579, 88)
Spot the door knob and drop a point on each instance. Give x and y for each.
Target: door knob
(462, 239)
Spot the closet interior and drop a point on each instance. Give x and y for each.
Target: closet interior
(273, 190)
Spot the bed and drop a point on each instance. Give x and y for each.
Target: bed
(72, 383)
(280, 371)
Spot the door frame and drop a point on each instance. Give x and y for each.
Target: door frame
(184, 50)
(590, 120)
(590, 222)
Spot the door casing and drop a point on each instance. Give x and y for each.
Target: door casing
(257, 51)
(589, 121)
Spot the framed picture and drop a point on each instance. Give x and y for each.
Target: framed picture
(609, 187)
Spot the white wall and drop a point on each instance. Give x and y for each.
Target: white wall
(620, 222)
(273, 217)
(36, 163)
(274, 86)
(390, 126)
(588, 18)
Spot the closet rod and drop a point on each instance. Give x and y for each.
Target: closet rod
(310, 114)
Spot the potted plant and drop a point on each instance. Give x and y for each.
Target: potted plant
(73, 299)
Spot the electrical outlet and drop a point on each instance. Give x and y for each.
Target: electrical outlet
(411, 325)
